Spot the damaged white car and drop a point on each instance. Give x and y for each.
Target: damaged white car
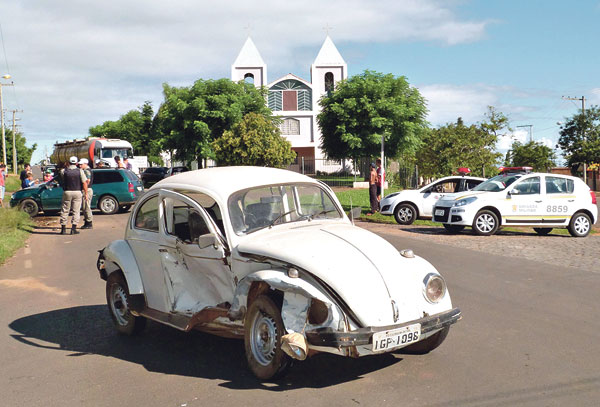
(269, 255)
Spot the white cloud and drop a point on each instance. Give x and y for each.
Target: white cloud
(506, 141)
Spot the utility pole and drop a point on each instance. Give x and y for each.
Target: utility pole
(530, 130)
(582, 99)
(14, 134)
(2, 116)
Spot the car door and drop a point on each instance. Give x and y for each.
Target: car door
(524, 203)
(559, 200)
(193, 255)
(435, 192)
(51, 196)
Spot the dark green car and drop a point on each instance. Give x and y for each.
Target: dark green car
(114, 190)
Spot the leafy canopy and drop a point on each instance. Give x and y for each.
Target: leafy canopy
(577, 147)
(256, 140)
(366, 107)
(532, 154)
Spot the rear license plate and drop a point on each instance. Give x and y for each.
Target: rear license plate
(396, 338)
(439, 212)
(139, 188)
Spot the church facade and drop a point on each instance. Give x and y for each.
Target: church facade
(296, 100)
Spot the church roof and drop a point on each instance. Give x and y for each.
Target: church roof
(249, 55)
(329, 54)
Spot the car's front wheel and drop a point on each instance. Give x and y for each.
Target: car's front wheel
(262, 339)
(118, 300)
(427, 345)
(485, 223)
(580, 225)
(542, 231)
(453, 228)
(405, 214)
(30, 207)
(108, 205)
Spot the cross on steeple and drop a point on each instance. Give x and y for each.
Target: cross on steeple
(248, 28)
(327, 28)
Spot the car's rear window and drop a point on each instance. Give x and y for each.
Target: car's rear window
(131, 175)
(106, 176)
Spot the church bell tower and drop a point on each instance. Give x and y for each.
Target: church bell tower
(249, 65)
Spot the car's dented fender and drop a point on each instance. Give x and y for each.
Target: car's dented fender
(297, 296)
(118, 256)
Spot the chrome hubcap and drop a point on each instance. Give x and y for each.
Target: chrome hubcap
(108, 205)
(405, 214)
(486, 223)
(582, 225)
(118, 304)
(263, 338)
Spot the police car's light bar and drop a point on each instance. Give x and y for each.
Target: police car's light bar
(518, 170)
(464, 170)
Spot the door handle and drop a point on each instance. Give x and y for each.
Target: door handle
(538, 201)
(571, 200)
(162, 250)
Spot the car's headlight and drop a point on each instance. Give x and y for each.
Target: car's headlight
(465, 201)
(434, 287)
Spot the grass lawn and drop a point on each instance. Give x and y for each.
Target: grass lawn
(13, 183)
(14, 230)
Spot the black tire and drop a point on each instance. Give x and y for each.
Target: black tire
(486, 223)
(427, 345)
(124, 208)
(108, 205)
(580, 225)
(405, 214)
(263, 329)
(453, 228)
(542, 231)
(118, 300)
(29, 206)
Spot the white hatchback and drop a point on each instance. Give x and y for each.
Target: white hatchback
(538, 200)
(270, 256)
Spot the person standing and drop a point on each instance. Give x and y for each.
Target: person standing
(127, 164)
(118, 161)
(74, 180)
(380, 179)
(373, 190)
(23, 175)
(2, 184)
(87, 196)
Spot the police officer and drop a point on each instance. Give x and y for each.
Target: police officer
(87, 197)
(74, 180)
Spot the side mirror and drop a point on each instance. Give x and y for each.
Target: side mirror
(209, 239)
(514, 192)
(355, 213)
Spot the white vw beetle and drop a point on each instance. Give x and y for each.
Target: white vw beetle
(270, 256)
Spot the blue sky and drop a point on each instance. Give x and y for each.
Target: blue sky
(77, 63)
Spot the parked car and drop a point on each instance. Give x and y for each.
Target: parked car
(412, 204)
(268, 255)
(114, 190)
(176, 170)
(152, 175)
(518, 197)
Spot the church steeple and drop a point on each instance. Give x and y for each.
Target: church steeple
(328, 69)
(329, 54)
(249, 64)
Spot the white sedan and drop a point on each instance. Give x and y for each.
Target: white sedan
(269, 255)
(412, 204)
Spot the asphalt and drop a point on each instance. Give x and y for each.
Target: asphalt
(529, 336)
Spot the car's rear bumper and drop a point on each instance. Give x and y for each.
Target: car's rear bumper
(327, 337)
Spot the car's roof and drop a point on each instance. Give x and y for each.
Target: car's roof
(225, 180)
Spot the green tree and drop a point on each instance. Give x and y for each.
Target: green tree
(256, 140)
(23, 152)
(190, 118)
(366, 107)
(135, 126)
(578, 147)
(531, 154)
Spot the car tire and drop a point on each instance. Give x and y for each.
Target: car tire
(263, 329)
(124, 208)
(118, 300)
(30, 207)
(580, 225)
(453, 228)
(542, 231)
(427, 345)
(405, 214)
(486, 223)
(108, 205)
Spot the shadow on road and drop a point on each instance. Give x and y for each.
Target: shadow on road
(88, 330)
(429, 230)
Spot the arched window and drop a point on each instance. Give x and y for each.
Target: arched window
(249, 78)
(290, 127)
(328, 82)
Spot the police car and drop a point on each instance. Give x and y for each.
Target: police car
(411, 204)
(519, 197)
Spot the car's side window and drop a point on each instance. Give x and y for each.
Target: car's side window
(529, 186)
(147, 215)
(187, 223)
(559, 185)
(443, 187)
(99, 177)
(472, 184)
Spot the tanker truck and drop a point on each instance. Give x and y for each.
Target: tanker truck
(94, 149)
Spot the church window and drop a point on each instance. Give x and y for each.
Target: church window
(275, 101)
(290, 127)
(290, 95)
(249, 78)
(328, 82)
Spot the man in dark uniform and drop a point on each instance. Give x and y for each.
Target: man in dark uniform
(74, 181)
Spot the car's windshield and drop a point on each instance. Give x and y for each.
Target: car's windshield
(498, 183)
(260, 207)
(112, 152)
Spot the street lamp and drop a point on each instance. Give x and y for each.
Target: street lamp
(6, 76)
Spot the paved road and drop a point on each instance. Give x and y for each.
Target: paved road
(530, 336)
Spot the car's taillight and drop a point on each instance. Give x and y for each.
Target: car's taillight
(130, 185)
(593, 194)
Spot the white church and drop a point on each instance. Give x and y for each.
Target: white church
(296, 100)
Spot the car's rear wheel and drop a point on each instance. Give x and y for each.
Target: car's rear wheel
(29, 206)
(405, 214)
(542, 231)
(262, 339)
(580, 225)
(118, 300)
(427, 345)
(108, 205)
(453, 228)
(485, 223)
